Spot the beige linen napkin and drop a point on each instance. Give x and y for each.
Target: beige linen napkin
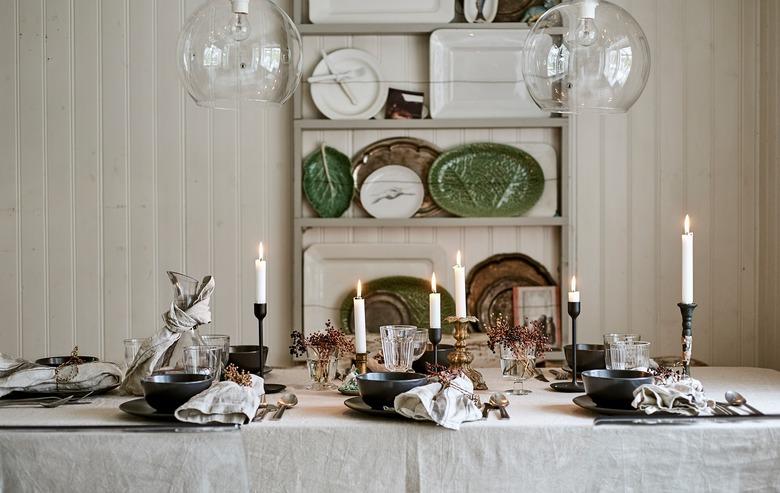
(224, 402)
(22, 375)
(684, 397)
(152, 354)
(448, 408)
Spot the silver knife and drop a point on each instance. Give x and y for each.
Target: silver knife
(342, 83)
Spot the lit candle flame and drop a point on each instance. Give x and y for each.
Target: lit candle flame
(457, 259)
(574, 283)
(687, 224)
(359, 289)
(260, 251)
(433, 282)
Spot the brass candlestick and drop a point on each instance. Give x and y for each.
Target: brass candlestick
(361, 362)
(461, 358)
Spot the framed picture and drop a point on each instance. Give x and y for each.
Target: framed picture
(539, 303)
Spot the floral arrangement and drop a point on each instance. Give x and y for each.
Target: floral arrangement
(521, 339)
(327, 343)
(241, 377)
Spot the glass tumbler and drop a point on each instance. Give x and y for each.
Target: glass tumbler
(610, 339)
(222, 341)
(131, 349)
(629, 355)
(398, 346)
(420, 344)
(203, 360)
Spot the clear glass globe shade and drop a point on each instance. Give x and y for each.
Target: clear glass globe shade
(575, 65)
(226, 59)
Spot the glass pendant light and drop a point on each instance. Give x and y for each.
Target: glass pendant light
(586, 56)
(233, 51)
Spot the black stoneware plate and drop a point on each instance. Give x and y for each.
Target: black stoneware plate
(58, 393)
(139, 407)
(357, 404)
(273, 388)
(585, 402)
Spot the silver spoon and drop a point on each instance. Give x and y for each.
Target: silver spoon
(285, 401)
(736, 399)
(500, 401)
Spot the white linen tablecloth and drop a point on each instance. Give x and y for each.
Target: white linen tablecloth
(549, 445)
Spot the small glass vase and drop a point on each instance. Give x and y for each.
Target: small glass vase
(518, 368)
(322, 369)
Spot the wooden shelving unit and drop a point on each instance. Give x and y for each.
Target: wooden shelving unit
(304, 123)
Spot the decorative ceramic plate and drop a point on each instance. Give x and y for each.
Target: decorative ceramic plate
(367, 85)
(357, 404)
(373, 11)
(489, 284)
(331, 271)
(585, 402)
(475, 73)
(392, 191)
(139, 407)
(395, 300)
(327, 181)
(415, 154)
(486, 180)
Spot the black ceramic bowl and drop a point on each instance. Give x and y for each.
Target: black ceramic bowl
(168, 391)
(379, 389)
(589, 357)
(56, 361)
(248, 358)
(614, 388)
(444, 350)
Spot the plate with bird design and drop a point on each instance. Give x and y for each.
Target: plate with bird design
(393, 191)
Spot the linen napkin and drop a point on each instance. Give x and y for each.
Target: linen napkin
(154, 351)
(683, 397)
(448, 407)
(22, 375)
(223, 402)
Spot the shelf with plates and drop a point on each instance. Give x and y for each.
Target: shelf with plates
(548, 138)
(322, 124)
(370, 222)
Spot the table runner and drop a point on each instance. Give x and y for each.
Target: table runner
(548, 445)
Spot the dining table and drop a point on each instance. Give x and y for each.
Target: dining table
(548, 444)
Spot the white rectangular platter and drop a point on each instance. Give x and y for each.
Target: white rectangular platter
(381, 11)
(331, 271)
(477, 73)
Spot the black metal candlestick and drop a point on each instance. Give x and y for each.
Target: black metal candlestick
(686, 310)
(261, 310)
(573, 386)
(434, 335)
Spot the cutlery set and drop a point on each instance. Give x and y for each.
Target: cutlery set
(46, 402)
(286, 401)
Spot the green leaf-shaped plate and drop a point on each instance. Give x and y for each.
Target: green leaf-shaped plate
(486, 180)
(327, 181)
(396, 300)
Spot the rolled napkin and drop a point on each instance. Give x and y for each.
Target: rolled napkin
(448, 407)
(683, 397)
(153, 351)
(223, 402)
(22, 375)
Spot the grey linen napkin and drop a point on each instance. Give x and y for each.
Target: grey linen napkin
(224, 402)
(685, 397)
(152, 354)
(448, 408)
(22, 375)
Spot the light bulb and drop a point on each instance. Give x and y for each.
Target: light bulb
(239, 27)
(587, 32)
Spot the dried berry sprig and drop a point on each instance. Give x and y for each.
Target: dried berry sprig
(235, 375)
(326, 342)
(519, 338)
(665, 375)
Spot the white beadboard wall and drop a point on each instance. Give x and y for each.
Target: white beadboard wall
(769, 188)
(110, 175)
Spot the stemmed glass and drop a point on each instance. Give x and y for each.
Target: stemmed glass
(518, 368)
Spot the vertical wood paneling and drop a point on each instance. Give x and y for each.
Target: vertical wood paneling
(87, 197)
(118, 177)
(10, 334)
(32, 179)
